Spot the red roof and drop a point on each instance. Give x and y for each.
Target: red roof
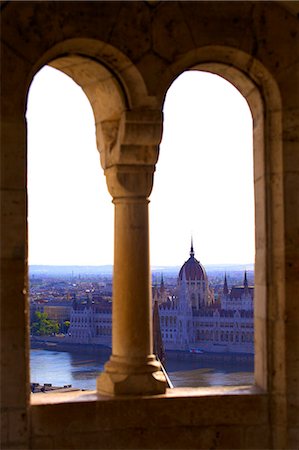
(193, 270)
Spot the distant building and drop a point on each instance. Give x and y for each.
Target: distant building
(190, 320)
(193, 321)
(58, 311)
(91, 322)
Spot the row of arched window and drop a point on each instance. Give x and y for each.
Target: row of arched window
(167, 321)
(224, 336)
(80, 319)
(103, 331)
(232, 324)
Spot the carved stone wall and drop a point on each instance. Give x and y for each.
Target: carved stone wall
(125, 55)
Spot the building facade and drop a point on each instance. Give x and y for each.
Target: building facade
(91, 322)
(190, 320)
(193, 321)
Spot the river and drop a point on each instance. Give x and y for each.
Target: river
(81, 369)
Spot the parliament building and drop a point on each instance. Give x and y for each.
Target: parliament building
(193, 321)
(190, 320)
(125, 55)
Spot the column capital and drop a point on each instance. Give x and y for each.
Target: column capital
(132, 140)
(130, 181)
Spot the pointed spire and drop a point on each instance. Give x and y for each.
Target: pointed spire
(246, 290)
(162, 280)
(225, 287)
(162, 288)
(191, 249)
(245, 279)
(155, 293)
(157, 335)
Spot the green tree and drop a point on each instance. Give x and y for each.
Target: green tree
(66, 325)
(43, 326)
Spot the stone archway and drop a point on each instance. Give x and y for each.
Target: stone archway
(260, 90)
(128, 133)
(262, 94)
(158, 36)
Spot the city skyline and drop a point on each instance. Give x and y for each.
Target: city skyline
(206, 121)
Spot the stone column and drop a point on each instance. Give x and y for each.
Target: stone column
(132, 368)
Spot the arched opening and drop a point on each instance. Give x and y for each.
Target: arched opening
(260, 90)
(204, 174)
(270, 62)
(120, 134)
(204, 189)
(70, 211)
(70, 214)
(253, 97)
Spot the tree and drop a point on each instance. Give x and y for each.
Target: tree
(65, 326)
(43, 326)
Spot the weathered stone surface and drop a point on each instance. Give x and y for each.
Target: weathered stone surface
(128, 53)
(132, 32)
(257, 437)
(171, 35)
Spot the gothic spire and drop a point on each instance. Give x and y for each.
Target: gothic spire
(225, 287)
(246, 290)
(191, 249)
(245, 279)
(162, 281)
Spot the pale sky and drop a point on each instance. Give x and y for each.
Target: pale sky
(203, 181)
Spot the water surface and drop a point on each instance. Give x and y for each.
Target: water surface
(81, 369)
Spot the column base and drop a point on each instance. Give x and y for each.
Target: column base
(127, 376)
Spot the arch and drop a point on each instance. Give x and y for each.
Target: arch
(238, 67)
(262, 94)
(110, 58)
(270, 213)
(111, 82)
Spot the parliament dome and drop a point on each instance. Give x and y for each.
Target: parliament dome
(194, 271)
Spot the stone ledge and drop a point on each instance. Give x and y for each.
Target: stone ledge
(90, 396)
(91, 412)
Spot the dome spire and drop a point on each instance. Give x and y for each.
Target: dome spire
(191, 249)
(193, 269)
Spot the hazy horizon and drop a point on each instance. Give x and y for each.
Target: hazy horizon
(152, 265)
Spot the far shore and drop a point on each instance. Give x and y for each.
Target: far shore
(59, 344)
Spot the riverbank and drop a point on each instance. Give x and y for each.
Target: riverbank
(59, 344)
(210, 356)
